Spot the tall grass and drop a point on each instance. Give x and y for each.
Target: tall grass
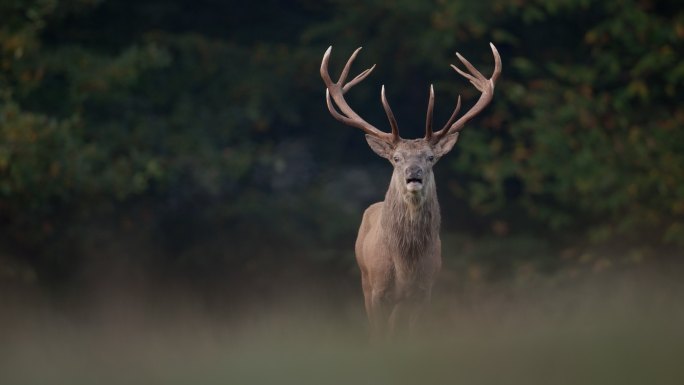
(625, 330)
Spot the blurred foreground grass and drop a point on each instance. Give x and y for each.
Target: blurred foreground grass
(605, 330)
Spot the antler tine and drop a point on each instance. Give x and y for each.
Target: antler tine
(453, 114)
(358, 79)
(335, 92)
(484, 85)
(475, 73)
(324, 68)
(497, 63)
(390, 115)
(347, 66)
(428, 117)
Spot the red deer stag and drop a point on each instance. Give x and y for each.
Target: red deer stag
(398, 247)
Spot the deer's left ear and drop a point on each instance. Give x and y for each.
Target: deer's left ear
(445, 145)
(380, 147)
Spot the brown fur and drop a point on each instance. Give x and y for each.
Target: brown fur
(398, 247)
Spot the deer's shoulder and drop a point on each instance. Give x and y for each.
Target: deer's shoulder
(373, 209)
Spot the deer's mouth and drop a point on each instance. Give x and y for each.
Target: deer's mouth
(414, 184)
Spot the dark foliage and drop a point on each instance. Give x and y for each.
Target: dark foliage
(191, 138)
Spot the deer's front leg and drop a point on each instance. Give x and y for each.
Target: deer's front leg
(410, 304)
(381, 306)
(378, 301)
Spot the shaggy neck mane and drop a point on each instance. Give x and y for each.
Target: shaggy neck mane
(410, 223)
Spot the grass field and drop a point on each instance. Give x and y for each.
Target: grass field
(623, 330)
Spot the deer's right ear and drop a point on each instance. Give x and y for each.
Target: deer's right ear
(380, 147)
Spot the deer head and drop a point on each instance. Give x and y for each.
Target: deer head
(412, 159)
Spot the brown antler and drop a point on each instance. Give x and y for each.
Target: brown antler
(484, 85)
(336, 91)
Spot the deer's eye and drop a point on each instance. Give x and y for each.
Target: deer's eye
(431, 158)
(397, 158)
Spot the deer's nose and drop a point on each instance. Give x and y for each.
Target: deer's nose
(414, 171)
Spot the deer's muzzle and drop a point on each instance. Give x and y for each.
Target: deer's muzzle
(414, 178)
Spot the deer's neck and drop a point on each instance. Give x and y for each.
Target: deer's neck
(410, 223)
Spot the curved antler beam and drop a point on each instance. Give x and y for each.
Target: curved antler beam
(482, 84)
(335, 93)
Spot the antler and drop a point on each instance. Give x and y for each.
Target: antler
(484, 85)
(336, 90)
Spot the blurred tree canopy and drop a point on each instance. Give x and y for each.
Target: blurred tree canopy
(193, 136)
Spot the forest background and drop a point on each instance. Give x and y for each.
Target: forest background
(187, 143)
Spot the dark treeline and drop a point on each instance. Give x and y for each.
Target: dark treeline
(178, 138)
